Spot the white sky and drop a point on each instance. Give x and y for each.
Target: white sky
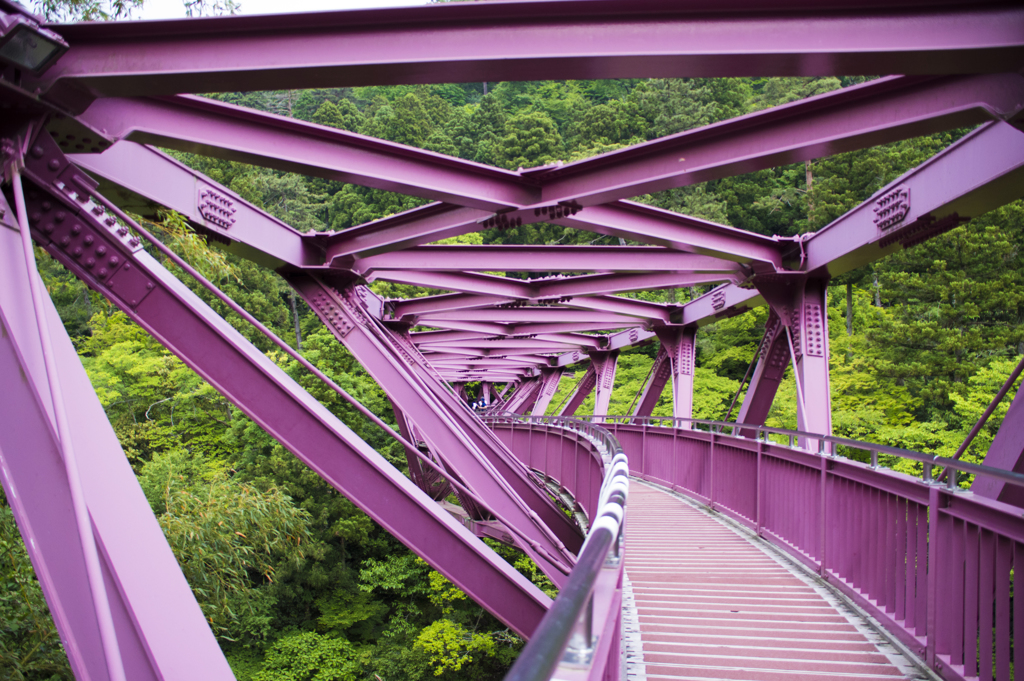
(173, 9)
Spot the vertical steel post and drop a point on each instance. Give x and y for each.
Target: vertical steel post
(604, 363)
(679, 343)
(934, 501)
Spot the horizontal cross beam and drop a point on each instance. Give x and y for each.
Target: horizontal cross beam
(544, 259)
(525, 41)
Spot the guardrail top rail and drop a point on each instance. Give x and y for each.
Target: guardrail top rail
(826, 444)
(568, 639)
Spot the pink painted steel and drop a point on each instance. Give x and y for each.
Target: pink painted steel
(453, 432)
(183, 323)
(223, 130)
(559, 40)
(680, 344)
(142, 178)
(1006, 452)
(517, 258)
(566, 457)
(655, 385)
(583, 388)
(161, 632)
(874, 113)
(989, 165)
(773, 358)
(550, 378)
(604, 363)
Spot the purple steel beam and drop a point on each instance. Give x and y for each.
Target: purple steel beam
(213, 128)
(680, 344)
(161, 632)
(980, 172)
(542, 259)
(660, 372)
(849, 118)
(583, 389)
(593, 284)
(856, 117)
(543, 289)
(414, 307)
(533, 345)
(480, 363)
(462, 282)
(800, 305)
(64, 219)
(498, 376)
(442, 352)
(527, 41)
(623, 339)
(549, 380)
(773, 358)
(451, 430)
(604, 363)
(524, 396)
(658, 227)
(485, 328)
(139, 179)
(580, 339)
(421, 225)
(809, 329)
(515, 315)
(1007, 453)
(625, 219)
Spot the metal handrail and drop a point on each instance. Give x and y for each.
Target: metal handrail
(565, 634)
(761, 432)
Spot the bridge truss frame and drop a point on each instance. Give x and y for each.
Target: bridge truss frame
(112, 92)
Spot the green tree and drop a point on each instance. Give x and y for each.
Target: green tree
(30, 649)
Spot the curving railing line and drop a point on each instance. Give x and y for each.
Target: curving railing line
(578, 636)
(824, 444)
(935, 564)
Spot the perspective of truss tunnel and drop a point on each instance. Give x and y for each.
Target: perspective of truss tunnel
(747, 556)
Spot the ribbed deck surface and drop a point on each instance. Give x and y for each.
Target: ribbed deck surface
(711, 605)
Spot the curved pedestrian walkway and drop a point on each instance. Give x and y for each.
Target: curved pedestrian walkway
(712, 604)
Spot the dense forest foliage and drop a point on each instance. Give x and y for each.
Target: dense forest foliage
(297, 583)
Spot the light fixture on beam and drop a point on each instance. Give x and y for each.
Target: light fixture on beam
(26, 45)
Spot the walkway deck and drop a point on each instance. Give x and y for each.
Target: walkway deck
(711, 604)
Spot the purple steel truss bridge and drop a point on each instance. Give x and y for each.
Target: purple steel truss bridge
(83, 108)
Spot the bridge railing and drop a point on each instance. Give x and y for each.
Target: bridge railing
(579, 637)
(933, 563)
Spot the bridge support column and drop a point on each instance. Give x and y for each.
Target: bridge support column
(660, 372)
(800, 306)
(680, 346)
(549, 380)
(604, 363)
(809, 328)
